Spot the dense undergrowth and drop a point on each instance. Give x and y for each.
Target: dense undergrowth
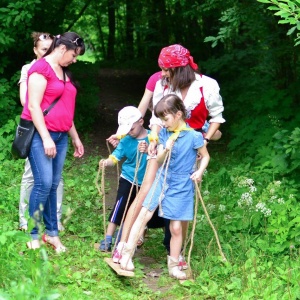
(256, 215)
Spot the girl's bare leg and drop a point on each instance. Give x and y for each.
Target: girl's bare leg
(136, 205)
(175, 245)
(137, 229)
(176, 239)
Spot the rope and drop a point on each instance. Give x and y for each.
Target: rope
(136, 237)
(191, 238)
(135, 205)
(101, 191)
(139, 157)
(188, 237)
(211, 224)
(117, 165)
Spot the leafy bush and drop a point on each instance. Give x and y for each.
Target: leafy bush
(258, 198)
(281, 156)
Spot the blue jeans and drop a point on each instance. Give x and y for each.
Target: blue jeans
(47, 174)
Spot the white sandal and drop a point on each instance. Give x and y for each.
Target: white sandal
(126, 259)
(174, 270)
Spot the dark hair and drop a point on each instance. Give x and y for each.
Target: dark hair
(181, 77)
(72, 41)
(169, 104)
(41, 36)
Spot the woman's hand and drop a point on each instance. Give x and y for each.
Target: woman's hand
(113, 140)
(143, 146)
(49, 147)
(78, 146)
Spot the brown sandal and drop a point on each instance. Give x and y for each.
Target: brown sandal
(141, 240)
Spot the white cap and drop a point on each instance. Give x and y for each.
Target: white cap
(126, 117)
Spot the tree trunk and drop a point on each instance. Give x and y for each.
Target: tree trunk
(129, 52)
(111, 30)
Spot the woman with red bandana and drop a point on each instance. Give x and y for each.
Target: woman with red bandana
(201, 98)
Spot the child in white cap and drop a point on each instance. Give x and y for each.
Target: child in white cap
(131, 126)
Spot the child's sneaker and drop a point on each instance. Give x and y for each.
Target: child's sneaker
(117, 253)
(105, 246)
(182, 265)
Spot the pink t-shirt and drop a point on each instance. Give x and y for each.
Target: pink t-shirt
(61, 116)
(152, 81)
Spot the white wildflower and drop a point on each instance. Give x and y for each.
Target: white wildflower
(201, 218)
(291, 196)
(252, 189)
(249, 181)
(206, 193)
(246, 199)
(210, 207)
(267, 212)
(273, 199)
(223, 192)
(246, 182)
(222, 207)
(277, 183)
(272, 191)
(280, 201)
(261, 207)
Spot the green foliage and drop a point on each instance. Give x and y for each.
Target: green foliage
(7, 132)
(87, 102)
(256, 215)
(15, 18)
(281, 155)
(250, 200)
(289, 12)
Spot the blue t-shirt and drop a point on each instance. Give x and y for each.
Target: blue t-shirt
(128, 148)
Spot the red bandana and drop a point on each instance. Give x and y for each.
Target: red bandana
(175, 56)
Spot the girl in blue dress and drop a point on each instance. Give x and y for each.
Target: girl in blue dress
(173, 187)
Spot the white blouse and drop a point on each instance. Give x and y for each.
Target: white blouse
(212, 98)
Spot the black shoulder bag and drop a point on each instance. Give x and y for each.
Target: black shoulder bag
(25, 131)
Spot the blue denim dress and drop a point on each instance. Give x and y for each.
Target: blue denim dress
(173, 187)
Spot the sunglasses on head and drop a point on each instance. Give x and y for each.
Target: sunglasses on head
(78, 42)
(43, 37)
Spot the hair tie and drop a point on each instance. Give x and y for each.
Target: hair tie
(58, 36)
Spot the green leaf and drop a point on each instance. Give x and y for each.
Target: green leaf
(291, 30)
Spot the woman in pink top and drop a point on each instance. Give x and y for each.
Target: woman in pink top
(46, 82)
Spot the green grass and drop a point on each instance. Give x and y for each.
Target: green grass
(251, 272)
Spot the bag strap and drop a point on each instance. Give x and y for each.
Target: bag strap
(47, 110)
